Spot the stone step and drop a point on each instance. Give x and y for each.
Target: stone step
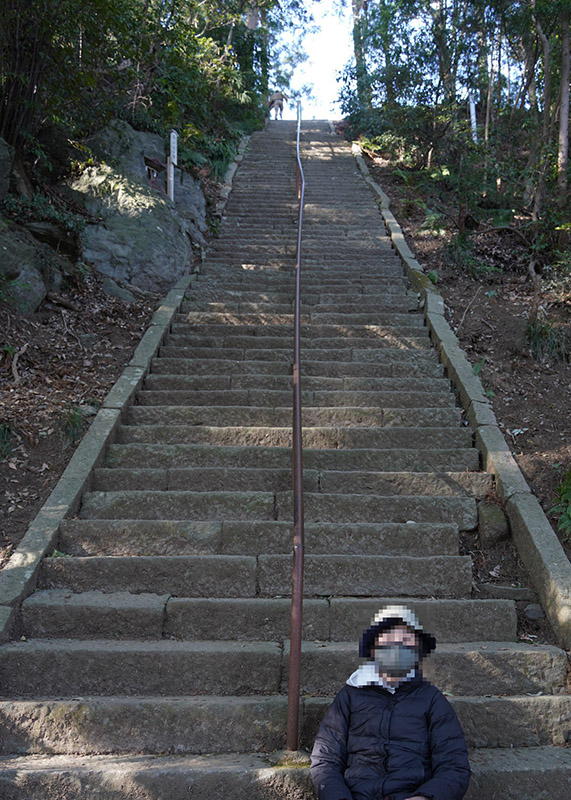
(286, 247)
(201, 506)
(201, 479)
(313, 437)
(61, 614)
(488, 722)
(327, 369)
(264, 479)
(362, 417)
(391, 303)
(275, 398)
(200, 725)
(397, 508)
(202, 339)
(512, 774)
(204, 292)
(84, 537)
(264, 576)
(393, 335)
(309, 353)
(166, 382)
(63, 668)
(386, 319)
(222, 505)
(223, 724)
(181, 455)
(316, 267)
(243, 280)
(466, 669)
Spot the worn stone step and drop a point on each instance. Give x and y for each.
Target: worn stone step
(280, 417)
(132, 537)
(164, 382)
(181, 455)
(310, 353)
(313, 437)
(312, 296)
(397, 508)
(200, 305)
(379, 320)
(442, 484)
(318, 268)
(385, 356)
(275, 398)
(334, 285)
(62, 668)
(266, 576)
(58, 613)
(390, 303)
(327, 369)
(189, 576)
(443, 576)
(490, 722)
(466, 668)
(223, 724)
(515, 773)
(512, 774)
(202, 339)
(220, 505)
(56, 667)
(267, 479)
(201, 479)
(367, 268)
(309, 331)
(202, 506)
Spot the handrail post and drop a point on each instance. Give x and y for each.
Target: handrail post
(292, 737)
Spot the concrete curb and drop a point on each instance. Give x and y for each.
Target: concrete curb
(537, 544)
(18, 577)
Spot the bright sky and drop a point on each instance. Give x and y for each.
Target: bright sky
(329, 50)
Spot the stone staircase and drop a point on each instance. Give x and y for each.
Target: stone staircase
(152, 659)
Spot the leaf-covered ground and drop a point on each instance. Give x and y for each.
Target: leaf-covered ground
(489, 297)
(56, 366)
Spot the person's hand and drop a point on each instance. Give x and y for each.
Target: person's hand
(417, 797)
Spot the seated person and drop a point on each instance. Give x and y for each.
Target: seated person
(389, 734)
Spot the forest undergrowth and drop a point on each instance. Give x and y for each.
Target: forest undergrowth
(490, 298)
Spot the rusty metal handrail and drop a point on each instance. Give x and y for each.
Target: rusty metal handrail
(297, 481)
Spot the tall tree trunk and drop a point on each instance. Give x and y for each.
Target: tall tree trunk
(264, 55)
(363, 85)
(440, 34)
(546, 75)
(564, 112)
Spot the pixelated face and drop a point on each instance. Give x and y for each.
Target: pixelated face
(400, 634)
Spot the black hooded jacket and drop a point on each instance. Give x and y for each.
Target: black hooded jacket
(373, 745)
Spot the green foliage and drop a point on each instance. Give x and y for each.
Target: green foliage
(416, 65)
(70, 66)
(6, 440)
(38, 207)
(557, 276)
(460, 252)
(479, 365)
(562, 506)
(71, 424)
(546, 341)
(432, 276)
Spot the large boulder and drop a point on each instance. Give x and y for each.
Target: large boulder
(139, 240)
(6, 158)
(143, 239)
(26, 268)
